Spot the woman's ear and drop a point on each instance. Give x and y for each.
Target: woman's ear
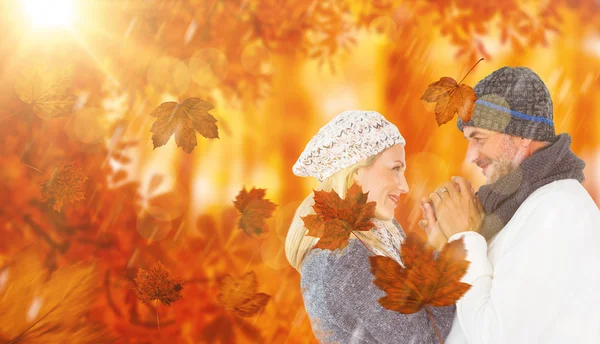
(357, 175)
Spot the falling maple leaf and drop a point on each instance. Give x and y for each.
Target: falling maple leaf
(42, 308)
(254, 210)
(425, 280)
(156, 285)
(183, 120)
(46, 89)
(240, 295)
(65, 184)
(337, 218)
(451, 97)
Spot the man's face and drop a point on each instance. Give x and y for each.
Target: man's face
(495, 153)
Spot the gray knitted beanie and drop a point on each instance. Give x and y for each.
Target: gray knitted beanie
(514, 101)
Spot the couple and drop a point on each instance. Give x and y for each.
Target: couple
(532, 233)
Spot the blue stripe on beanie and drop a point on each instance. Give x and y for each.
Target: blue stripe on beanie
(515, 113)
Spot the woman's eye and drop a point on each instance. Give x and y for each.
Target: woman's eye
(397, 168)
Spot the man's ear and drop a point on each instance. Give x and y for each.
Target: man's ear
(525, 142)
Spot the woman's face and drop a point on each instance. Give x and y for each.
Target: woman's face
(385, 181)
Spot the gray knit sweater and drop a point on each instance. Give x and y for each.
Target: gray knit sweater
(341, 302)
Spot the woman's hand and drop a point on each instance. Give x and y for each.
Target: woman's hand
(429, 223)
(457, 211)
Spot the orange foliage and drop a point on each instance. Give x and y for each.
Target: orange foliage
(133, 59)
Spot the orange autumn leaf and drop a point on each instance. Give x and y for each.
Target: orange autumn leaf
(425, 280)
(156, 285)
(337, 218)
(254, 210)
(183, 120)
(240, 295)
(451, 98)
(65, 184)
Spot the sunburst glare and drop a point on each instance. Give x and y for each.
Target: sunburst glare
(46, 14)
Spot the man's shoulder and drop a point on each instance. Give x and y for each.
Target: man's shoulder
(565, 193)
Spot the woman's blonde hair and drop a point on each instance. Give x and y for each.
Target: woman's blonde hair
(298, 244)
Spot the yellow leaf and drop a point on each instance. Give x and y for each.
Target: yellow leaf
(46, 89)
(41, 308)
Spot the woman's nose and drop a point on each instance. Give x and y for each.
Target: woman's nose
(403, 184)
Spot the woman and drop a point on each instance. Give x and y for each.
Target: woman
(337, 287)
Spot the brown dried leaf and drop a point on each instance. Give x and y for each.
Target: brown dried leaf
(183, 120)
(254, 210)
(66, 184)
(240, 295)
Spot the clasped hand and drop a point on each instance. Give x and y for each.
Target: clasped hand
(451, 209)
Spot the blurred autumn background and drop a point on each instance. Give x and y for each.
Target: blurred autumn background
(92, 192)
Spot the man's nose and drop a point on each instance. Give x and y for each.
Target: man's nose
(472, 152)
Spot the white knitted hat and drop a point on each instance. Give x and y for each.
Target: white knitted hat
(345, 140)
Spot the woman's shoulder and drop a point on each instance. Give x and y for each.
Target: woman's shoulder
(318, 261)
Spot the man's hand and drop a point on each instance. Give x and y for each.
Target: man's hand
(457, 211)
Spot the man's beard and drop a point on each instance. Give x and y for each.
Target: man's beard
(508, 161)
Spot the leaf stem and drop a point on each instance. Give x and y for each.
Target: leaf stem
(195, 280)
(66, 295)
(481, 59)
(158, 322)
(148, 324)
(18, 338)
(109, 298)
(13, 113)
(437, 332)
(364, 243)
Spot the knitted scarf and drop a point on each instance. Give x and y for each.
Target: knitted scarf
(546, 165)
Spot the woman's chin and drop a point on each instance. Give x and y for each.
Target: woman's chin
(383, 216)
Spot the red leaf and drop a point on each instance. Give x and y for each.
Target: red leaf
(337, 218)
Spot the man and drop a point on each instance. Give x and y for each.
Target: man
(532, 233)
